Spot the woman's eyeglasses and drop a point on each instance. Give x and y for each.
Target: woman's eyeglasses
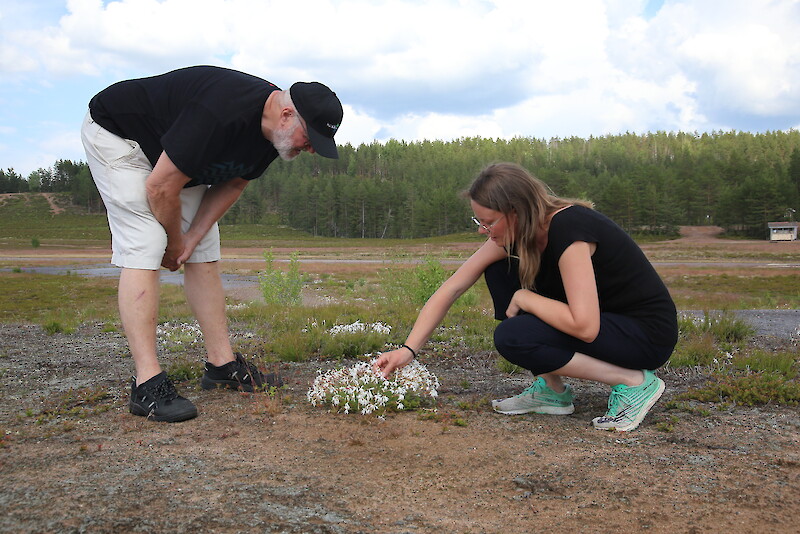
(487, 228)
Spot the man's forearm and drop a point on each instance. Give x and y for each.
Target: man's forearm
(215, 203)
(167, 211)
(163, 188)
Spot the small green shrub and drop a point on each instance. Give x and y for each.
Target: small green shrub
(54, 327)
(667, 425)
(417, 285)
(429, 275)
(352, 345)
(280, 287)
(696, 350)
(724, 326)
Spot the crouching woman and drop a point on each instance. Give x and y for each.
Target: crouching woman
(575, 295)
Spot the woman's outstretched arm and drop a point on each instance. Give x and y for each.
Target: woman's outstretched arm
(438, 305)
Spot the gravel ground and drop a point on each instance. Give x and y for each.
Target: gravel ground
(75, 461)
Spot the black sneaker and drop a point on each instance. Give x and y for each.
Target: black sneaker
(157, 399)
(238, 374)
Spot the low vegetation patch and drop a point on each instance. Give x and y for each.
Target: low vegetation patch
(28, 221)
(364, 310)
(60, 303)
(727, 291)
(73, 404)
(749, 389)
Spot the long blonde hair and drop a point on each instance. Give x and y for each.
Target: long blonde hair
(510, 189)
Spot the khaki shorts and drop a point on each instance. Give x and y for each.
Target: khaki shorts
(119, 169)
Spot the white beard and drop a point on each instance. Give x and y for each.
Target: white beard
(283, 142)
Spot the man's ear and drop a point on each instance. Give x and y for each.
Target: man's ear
(287, 114)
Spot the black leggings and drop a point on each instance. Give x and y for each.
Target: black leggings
(529, 342)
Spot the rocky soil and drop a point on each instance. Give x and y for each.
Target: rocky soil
(74, 460)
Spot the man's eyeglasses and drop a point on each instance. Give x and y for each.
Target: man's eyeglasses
(487, 228)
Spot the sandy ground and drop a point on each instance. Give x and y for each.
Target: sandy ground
(72, 460)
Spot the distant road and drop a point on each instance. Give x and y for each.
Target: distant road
(104, 270)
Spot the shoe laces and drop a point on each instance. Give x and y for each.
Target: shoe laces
(164, 390)
(617, 398)
(249, 368)
(530, 390)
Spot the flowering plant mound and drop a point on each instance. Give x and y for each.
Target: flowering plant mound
(176, 336)
(358, 327)
(358, 389)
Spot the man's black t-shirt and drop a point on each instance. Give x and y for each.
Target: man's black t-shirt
(627, 283)
(207, 120)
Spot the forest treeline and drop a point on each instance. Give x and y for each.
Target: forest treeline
(647, 183)
(64, 176)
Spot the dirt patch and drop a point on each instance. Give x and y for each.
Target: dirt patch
(255, 463)
(55, 209)
(700, 233)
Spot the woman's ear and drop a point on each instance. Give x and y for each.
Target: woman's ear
(512, 220)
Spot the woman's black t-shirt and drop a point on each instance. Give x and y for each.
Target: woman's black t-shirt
(627, 283)
(207, 120)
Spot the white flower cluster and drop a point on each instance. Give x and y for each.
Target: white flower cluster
(312, 324)
(358, 327)
(358, 389)
(174, 336)
(725, 358)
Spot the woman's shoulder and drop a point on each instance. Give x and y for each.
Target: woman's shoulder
(572, 214)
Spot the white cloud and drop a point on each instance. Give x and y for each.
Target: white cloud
(413, 69)
(357, 128)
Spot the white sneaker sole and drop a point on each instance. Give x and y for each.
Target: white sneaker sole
(547, 410)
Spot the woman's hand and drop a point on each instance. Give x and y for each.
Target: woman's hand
(579, 317)
(514, 306)
(388, 362)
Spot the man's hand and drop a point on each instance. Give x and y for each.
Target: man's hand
(173, 256)
(189, 244)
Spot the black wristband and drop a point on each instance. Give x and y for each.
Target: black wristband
(409, 348)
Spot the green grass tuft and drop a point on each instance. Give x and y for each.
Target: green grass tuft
(749, 390)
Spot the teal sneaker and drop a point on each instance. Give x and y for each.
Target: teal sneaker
(628, 405)
(538, 398)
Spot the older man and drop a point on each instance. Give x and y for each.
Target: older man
(170, 154)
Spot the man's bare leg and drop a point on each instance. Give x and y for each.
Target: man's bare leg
(138, 309)
(203, 287)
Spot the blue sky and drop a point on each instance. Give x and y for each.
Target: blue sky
(413, 70)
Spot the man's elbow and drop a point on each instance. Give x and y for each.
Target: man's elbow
(160, 191)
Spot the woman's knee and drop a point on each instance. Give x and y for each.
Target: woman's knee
(513, 342)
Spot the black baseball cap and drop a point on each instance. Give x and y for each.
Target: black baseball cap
(322, 112)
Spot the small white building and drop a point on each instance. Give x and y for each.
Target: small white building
(783, 231)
